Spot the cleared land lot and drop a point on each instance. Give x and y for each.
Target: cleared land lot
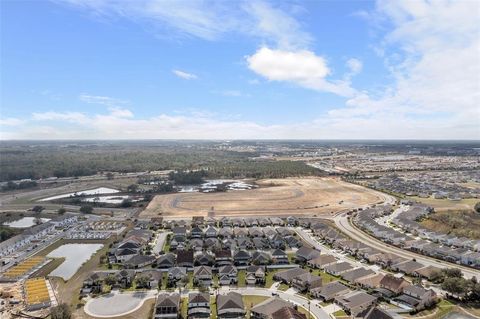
(299, 196)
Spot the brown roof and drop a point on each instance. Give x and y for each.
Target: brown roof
(370, 281)
(288, 313)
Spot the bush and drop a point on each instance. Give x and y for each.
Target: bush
(61, 311)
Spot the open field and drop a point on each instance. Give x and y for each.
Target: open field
(299, 196)
(459, 223)
(446, 204)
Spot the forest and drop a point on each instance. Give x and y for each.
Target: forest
(55, 159)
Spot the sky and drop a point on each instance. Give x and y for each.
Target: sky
(110, 69)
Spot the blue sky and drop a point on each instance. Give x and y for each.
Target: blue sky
(214, 69)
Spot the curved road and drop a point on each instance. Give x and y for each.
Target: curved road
(343, 223)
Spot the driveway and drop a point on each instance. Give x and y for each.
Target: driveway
(160, 242)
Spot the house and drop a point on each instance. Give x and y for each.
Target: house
(124, 278)
(228, 243)
(211, 232)
(203, 259)
(338, 268)
(286, 276)
(369, 282)
(428, 272)
(276, 241)
(202, 275)
(279, 257)
(321, 261)
(375, 313)
(355, 302)
(393, 284)
(198, 305)
(93, 284)
(167, 306)
(230, 306)
(179, 232)
(196, 244)
(407, 267)
(292, 242)
(153, 279)
(166, 261)
(306, 281)
(240, 232)
(212, 244)
(241, 258)
(227, 275)
(416, 298)
(225, 232)
(176, 274)
(266, 308)
(139, 261)
(255, 275)
(330, 291)
(260, 243)
(255, 232)
(304, 254)
(288, 313)
(261, 258)
(122, 255)
(185, 258)
(196, 232)
(223, 257)
(355, 274)
(244, 243)
(276, 221)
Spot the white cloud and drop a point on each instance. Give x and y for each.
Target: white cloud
(201, 125)
(206, 19)
(103, 100)
(276, 26)
(75, 117)
(184, 75)
(303, 68)
(354, 65)
(11, 121)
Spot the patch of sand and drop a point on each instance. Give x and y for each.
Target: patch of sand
(299, 196)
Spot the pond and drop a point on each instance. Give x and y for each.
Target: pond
(96, 191)
(24, 222)
(75, 256)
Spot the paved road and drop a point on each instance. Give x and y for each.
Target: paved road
(117, 303)
(345, 226)
(160, 242)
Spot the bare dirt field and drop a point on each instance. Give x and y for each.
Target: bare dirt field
(298, 196)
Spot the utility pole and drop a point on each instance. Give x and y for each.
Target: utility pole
(309, 309)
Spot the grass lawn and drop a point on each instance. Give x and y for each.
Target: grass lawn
(326, 278)
(250, 301)
(339, 314)
(184, 308)
(48, 268)
(241, 278)
(190, 280)
(213, 308)
(269, 278)
(283, 287)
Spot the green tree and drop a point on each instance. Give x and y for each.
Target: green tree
(38, 208)
(477, 207)
(456, 286)
(62, 311)
(62, 210)
(141, 281)
(86, 209)
(110, 280)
